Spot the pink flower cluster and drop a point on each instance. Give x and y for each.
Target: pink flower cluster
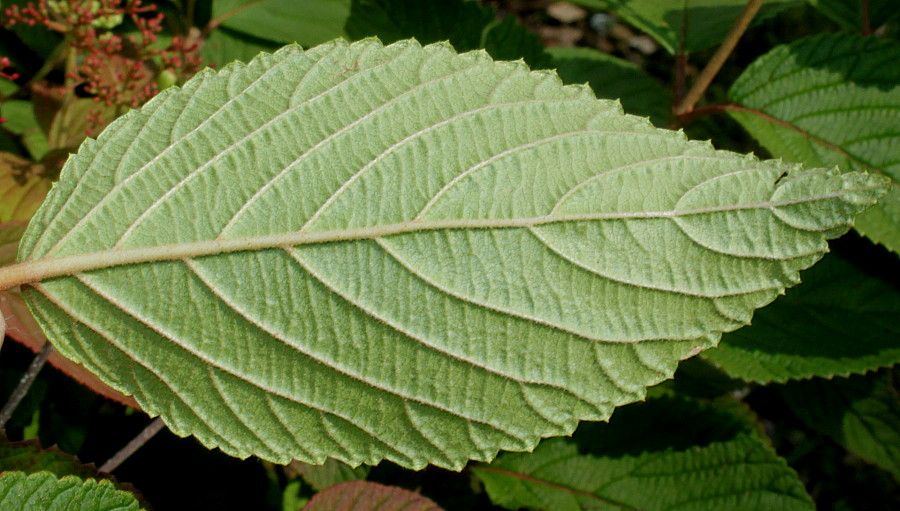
(116, 71)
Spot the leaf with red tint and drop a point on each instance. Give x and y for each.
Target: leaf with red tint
(366, 496)
(20, 326)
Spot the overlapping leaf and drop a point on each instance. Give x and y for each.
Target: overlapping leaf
(833, 99)
(734, 468)
(842, 320)
(368, 252)
(45, 492)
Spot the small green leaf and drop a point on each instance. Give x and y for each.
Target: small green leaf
(686, 24)
(614, 78)
(841, 320)
(308, 22)
(43, 491)
(365, 496)
(833, 99)
(862, 413)
(367, 252)
(733, 469)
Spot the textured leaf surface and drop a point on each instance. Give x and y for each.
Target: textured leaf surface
(368, 252)
(833, 99)
(688, 24)
(365, 496)
(862, 413)
(309, 22)
(842, 320)
(465, 24)
(614, 78)
(43, 491)
(737, 470)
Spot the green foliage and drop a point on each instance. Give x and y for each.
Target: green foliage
(403, 199)
(614, 78)
(686, 25)
(309, 22)
(833, 99)
(849, 13)
(464, 24)
(366, 251)
(861, 413)
(560, 475)
(43, 491)
(842, 320)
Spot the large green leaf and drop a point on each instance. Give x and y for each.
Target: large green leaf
(308, 22)
(42, 491)
(833, 99)
(687, 25)
(842, 320)
(862, 413)
(368, 252)
(614, 78)
(732, 467)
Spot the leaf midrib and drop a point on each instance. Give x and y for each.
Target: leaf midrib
(49, 267)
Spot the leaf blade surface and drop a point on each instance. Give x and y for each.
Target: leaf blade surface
(367, 252)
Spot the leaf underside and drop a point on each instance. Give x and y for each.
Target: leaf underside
(429, 256)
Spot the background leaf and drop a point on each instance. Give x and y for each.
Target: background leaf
(333, 253)
(328, 474)
(224, 46)
(46, 492)
(688, 24)
(22, 189)
(833, 99)
(614, 78)
(842, 320)
(731, 467)
(848, 13)
(308, 23)
(465, 24)
(30, 457)
(365, 496)
(862, 413)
